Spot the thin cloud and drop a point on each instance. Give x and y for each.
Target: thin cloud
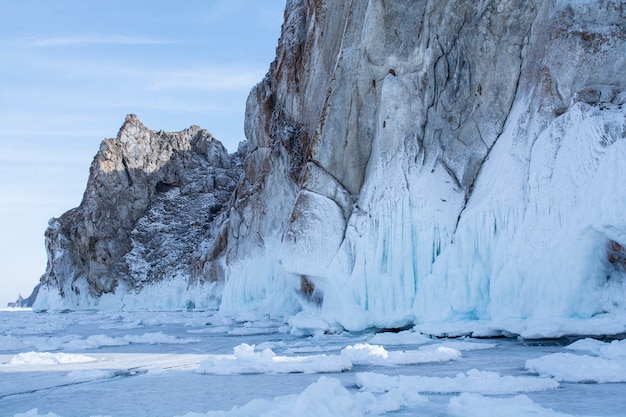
(90, 40)
(207, 79)
(211, 78)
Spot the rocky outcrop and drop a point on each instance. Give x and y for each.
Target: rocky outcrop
(407, 162)
(152, 198)
(372, 176)
(28, 302)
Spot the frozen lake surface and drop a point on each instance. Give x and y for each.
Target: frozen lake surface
(194, 363)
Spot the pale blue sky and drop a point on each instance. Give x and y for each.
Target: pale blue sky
(70, 70)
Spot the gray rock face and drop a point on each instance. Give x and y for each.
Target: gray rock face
(151, 199)
(368, 138)
(358, 84)
(407, 162)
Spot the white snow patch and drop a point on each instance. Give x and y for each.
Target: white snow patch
(47, 358)
(305, 323)
(376, 355)
(96, 342)
(157, 339)
(607, 365)
(473, 381)
(87, 375)
(35, 413)
(324, 398)
(463, 345)
(406, 337)
(245, 360)
(586, 345)
(393, 400)
(474, 405)
(101, 340)
(568, 367)
(211, 330)
(613, 350)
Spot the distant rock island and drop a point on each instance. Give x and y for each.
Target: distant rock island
(406, 163)
(22, 302)
(153, 200)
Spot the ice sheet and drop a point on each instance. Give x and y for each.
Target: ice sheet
(162, 379)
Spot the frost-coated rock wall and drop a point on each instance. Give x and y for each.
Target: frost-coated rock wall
(428, 161)
(152, 199)
(421, 162)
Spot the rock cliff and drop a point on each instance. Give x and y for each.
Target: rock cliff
(407, 162)
(432, 161)
(151, 201)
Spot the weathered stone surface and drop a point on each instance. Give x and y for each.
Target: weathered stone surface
(390, 110)
(407, 161)
(152, 197)
(358, 85)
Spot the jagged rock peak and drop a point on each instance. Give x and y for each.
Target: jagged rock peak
(131, 118)
(180, 179)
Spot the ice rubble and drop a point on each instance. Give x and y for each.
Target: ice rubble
(246, 360)
(607, 365)
(95, 341)
(473, 392)
(328, 398)
(473, 381)
(474, 405)
(366, 354)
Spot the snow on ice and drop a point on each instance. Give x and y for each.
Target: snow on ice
(376, 355)
(153, 369)
(245, 360)
(473, 381)
(474, 405)
(607, 365)
(47, 358)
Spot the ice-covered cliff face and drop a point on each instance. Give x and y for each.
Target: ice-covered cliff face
(432, 161)
(152, 200)
(419, 162)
